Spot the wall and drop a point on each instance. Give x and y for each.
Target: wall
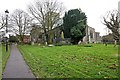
(91, 36)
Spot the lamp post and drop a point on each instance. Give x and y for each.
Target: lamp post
(6, 12)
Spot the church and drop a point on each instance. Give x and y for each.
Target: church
(91, 36)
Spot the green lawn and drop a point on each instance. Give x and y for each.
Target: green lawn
(3, 57)
(75, 61)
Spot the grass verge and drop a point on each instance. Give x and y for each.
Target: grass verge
(3, 57)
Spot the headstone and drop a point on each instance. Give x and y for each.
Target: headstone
(62, 35)
(39, 44)
(50, 45)
(79, 42)
(32, 43)
(16, 44)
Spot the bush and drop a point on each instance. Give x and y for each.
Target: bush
(13, 39)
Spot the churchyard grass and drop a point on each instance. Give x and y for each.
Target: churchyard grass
(3, 56)
(97, 61)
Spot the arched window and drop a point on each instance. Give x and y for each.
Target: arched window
(91, 35)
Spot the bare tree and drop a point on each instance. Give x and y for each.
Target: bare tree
(21, 23)
(112, 22)
(2, 21)
(48, 13)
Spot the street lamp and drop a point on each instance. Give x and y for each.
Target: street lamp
(6, 13)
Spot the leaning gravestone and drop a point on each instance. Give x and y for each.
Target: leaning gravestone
(79, 42)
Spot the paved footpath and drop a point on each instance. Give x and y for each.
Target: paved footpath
(16, 66)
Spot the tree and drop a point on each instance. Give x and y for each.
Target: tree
(78, 32)
(2, 21)
(74, 23)
(13, 39)
(35, 33)
(21, 23)
(112, 22)
(47, 13)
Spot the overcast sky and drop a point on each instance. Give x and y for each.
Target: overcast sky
(94, 9)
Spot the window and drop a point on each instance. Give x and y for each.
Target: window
(91, 35)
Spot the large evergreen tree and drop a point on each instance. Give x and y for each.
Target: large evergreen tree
(74, 23)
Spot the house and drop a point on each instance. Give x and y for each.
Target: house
(36, 33)
(53, 35)
(108, 38)
(26, 39)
